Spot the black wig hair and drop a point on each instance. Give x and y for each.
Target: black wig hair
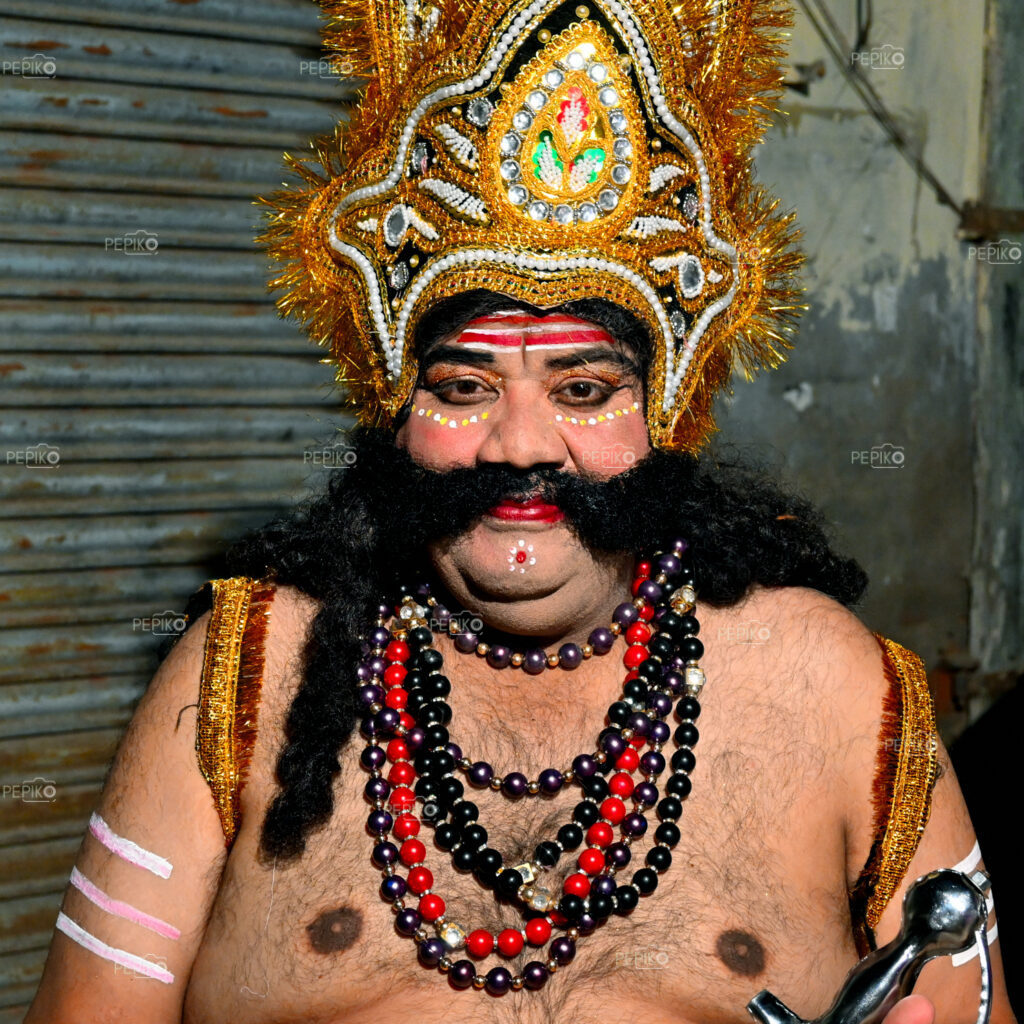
(352, 545)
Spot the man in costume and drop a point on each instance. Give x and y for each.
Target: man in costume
(534, 716)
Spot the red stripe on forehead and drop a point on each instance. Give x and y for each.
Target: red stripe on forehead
(513, 329)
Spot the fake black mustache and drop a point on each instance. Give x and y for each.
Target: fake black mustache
(625, 512)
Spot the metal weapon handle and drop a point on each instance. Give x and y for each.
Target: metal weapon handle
(944, 912)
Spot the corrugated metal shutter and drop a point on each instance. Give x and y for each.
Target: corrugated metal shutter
(181, 409)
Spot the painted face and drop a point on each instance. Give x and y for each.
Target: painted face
(526, 391)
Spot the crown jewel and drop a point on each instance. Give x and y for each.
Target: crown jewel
(550, 152)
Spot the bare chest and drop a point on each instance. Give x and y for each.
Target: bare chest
(755, 897)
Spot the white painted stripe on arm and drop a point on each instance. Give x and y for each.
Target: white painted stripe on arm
(120, 957)
(127, 850)
(971, 860)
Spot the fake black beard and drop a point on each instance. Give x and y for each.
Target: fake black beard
(353, 545)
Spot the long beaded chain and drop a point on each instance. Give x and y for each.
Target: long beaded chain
(402, 695)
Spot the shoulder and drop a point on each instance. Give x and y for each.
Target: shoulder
(816, 648)
(288, 629)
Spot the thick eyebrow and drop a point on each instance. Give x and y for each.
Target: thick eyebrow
(564, 361)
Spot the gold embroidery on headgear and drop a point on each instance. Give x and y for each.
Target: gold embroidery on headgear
(531, 150)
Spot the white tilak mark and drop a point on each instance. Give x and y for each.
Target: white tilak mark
(542, 328)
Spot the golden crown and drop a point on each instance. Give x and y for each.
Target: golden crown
(548, 151)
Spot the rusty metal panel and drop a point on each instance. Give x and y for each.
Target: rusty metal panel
(115, 595)
(31, 868)
(136, 111)
(55, 378)
(118, 164)
(137, 433)
(139, 269)
(111, 326)
(26, 921)
(37, 708)
(183, 61)
(54, 542)
(69, 651)
(19, 976)
(178, 408)
(159, 486)
(65, 816)
(285, 22)
(39, 215)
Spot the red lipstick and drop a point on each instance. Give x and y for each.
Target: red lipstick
(536, 510)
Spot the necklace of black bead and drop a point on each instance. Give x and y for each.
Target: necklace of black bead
(466, 839)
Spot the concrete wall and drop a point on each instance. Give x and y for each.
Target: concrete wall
(997, 613)
(887, 352)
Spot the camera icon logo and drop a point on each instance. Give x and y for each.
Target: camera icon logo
(39, 791)
(881, 456)
(880, 58)
(1000, 253)
(42, 456)
(141, 243)
(754, 632)
(38, 66)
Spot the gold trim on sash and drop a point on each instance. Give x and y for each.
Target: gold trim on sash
(906, 769)
(230, 690)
